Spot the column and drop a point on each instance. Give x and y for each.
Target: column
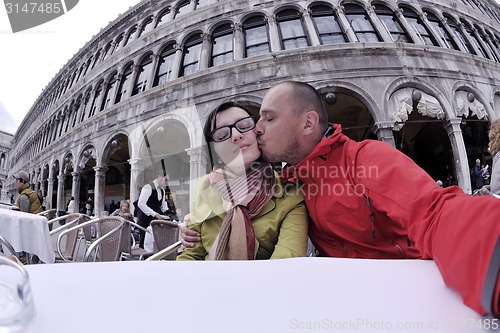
(50, 187)
(311, 30)
(206, 47)
(381, 29)
(154, 64)
(133, 78)
(454, 131)
(239, 43)
(197, 168)
(457, 40)
(177, 61)
(408, 27)
(434, 33)
(136, 169)
(274, 36)
(383, 130)
(482, 43)
(75, 189)
(61, 208)
(100, 177)
(192, 5)
(468, 38)
(351, 36)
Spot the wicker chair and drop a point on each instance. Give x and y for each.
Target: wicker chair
(107, 245)
(165, 233)
(49, 214)
(128, 247)
(69, 238)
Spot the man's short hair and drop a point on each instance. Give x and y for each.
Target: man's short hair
(307, 98)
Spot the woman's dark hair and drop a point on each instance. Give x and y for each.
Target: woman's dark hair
(211, 124)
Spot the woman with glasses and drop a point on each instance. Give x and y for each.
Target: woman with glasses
(242, 209)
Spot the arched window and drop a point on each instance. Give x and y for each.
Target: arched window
(86, 100)
(222, 45)
(256, 38)
(76, 109)
(162, 18)
(182, 9)
(130, 36)
(191, 55)
(147, 26)
(291, 29)
(118, 40)
(361, 24)
(482, 35)
(110, 92)
(473, 38)
(107, 51)
(327, 25)
(443, 33)
(96, 58)
(392, 25)
(143, 74)
(124, 82)
(418, 25)
(453, 25)
(165, 64)
(95, 100)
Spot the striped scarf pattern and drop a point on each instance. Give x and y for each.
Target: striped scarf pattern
(243, 197)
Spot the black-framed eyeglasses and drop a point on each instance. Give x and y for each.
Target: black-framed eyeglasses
(224, 133)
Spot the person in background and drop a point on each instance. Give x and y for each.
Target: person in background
(494, 147)
(123, 211)
(477, 174)
(28, 200)
(72, 206)
(152, 203)
(242, 209)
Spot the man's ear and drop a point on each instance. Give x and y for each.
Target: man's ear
(310, 122)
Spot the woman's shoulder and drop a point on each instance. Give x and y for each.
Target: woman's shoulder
(288, 191)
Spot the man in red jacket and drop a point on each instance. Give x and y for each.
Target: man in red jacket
(363, 207)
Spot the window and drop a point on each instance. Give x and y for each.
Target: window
(327, 26)
(361, 24)
(109, 94)
(482, 35)
(392, 24)
(107, 51)
(222, 45)
(473, 38)
(143, 74)
(118, 40)
(256, 38)
(420, 29)
(85, 103)
(182, 9)
(191, 55)
(130, 36)
(93, 106)
(162, 18)
(165, 64)
(454, 27)
(147, 27)
(122, 90)
(291, 29)
(443, 33)
(96, 59)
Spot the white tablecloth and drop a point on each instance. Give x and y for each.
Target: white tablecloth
(27, 232)
(291, 295)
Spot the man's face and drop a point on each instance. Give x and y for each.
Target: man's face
(277, 127)
(162, 180)
(19, 183)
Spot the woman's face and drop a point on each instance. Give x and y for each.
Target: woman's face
(241, 149)
(124, 208)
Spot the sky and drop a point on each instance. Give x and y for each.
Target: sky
(30, 59)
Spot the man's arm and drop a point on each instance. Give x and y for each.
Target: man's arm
(24, 203)
(143, 199)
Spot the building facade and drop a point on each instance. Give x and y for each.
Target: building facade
(423, 76)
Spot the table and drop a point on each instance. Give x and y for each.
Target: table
(27, 232)
(288, 295)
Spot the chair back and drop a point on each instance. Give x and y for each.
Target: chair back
(71, 237)
(108, 245)
(49, 214)
(165, 233)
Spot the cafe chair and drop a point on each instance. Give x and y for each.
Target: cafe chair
(107, 244)
(169, 250)
(165, 233)
(130, 251)
(69, 239)
(5, 245)
(49, 214)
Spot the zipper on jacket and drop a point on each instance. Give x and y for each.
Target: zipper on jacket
(368, 202)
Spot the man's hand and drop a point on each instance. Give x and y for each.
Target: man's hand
(158, 217)
(188, 236)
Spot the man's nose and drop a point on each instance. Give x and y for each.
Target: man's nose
(258, 129)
